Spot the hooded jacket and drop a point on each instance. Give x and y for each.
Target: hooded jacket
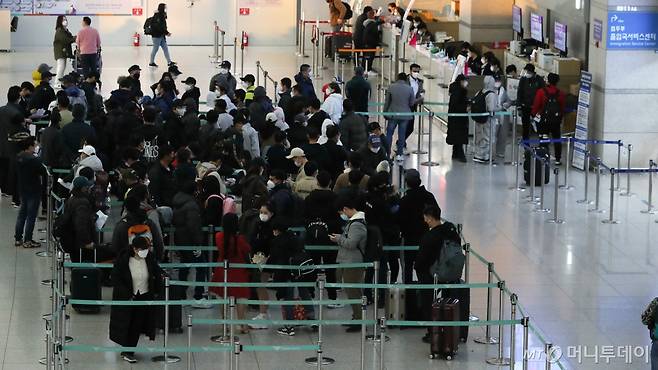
(333, 105)
(430, 250)
(227, 81)
(92, 162)
(352, 242)
(492, 99)
(304, 185)
(187, 220)
(259, 108)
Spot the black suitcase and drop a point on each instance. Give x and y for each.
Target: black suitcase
(542, 152)
(86, 283)
(444, 340)
(176, 293)
(342, 40)
(463, 295)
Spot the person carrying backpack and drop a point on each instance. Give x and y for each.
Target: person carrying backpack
(339, 12)
(529, 84)
(156, 26)
(352, 245)
(486, 101)
(550, 104)
(429, 251)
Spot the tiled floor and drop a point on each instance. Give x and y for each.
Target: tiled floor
(583, 283)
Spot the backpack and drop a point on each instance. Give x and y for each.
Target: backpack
(317, 232)
(480, 106)
(552, 113)
(348, 11)
(450, 264)
(374, 243)
(148, 26)
(228, 203)
(649, 312)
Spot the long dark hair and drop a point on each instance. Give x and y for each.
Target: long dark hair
(230, 225)
(58, 23)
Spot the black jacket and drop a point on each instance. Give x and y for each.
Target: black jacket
(282, 199)
(120, 316)
(410, 215)
(358, 91)
(29, 170)
(318, 154)
(297, 135)
(53, 149)
(317, 120)
(159, 25)
(457, 126)
(357, 35)
(293, 107)
(276, 159)
(371, 160)
(319, 204)
(282, 248)
(80, 212)
(42, 97)
(7, 115)
(284, 99)
(254, 189)
(77, 134)
(187, 220)
(353, 131)
(194, 94)
(370, 33)
(430, 249)
(528, 89)
(162, 186)
(378, 210)
(337, 158)
(135, 86)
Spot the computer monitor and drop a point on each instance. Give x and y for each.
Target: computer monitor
(560, 37)
(537, 27)
(517, 20)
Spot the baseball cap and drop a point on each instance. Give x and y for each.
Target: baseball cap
(375, 141)
(43, 67)
(190, 81)
(271, 117)
(173, 69)
(134, 67)
(81, 182)
(46, 74)
(88, 150)
(296, 152)
(225, 64)
(249, 78)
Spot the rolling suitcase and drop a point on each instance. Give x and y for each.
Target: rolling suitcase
(341, 40)
(86, 283)
(176, 293)
(542, 152)
(395, 304)
(444, 340)
(463, 295)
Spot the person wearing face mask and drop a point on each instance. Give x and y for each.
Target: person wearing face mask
(248, 86)
(136, 276)
(416, 84)
(529, 84)
(43, 95)
(191, 91)
(250, 140)
(159, 33)
(370, 39)
(134, 73)
(351, 248)
(458, 126)
(298, 157)
(372, 155)
(333, 105)
(505, 125)
(27, 89)
(486, 61)
(62, 44)
(483, 130)
(136, 212)
(395, 14)
(82, 232)
(284, 91)
(224, 78)
(305, 82)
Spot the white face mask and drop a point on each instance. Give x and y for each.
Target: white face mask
(375, 150)
(245, 85)
(142, 253)
(279, 91)
(223, 71)
(263, 217)
(465, 84)
(298, 163)
(421, 32)
(344, 217)
(65, 23)
(270, 184)
(415, 75)
(498, 85)
(187, 87)
(174, 77)
(180, 111)
(483, 61)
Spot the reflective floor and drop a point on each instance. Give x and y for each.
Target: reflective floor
(584, 284)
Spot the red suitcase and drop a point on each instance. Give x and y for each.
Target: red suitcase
(444, 339)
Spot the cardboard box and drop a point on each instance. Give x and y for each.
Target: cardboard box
(567, 66)
(574, 89)
(569, 123)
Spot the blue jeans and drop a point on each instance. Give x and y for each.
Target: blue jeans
(402, 131)
(160, 42)
(27, 215)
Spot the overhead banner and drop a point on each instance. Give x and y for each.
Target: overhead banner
(582, 120)
(634, 30)
(74, 7)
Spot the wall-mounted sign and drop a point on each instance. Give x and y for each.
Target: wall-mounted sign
(632, 30)
(244, 11)
(597, 34)
(74, 7)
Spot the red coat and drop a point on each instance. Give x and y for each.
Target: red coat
(239, 275)
(541, 98)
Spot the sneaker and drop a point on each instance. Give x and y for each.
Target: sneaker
(18, 243)
(353, 328)
(399, 158)
(15, 205)
(335, 305)
(558, 162)
(286, 330)
(480, 160)
(31, 244)
(202, 304)
(406, 151)
(153, 65)
(129, 357)
(171, 64)
(258, 326)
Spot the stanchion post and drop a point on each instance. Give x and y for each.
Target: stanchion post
(628, 192)
(322, 55)
(189, 341)
(374, 337)
(242, 55)
(650, 210)
(223, 44)
(491, 135)
(586, 169)
(224, 339)
(303, 40)
(320, 360)
(276, 92)
(258, 73)
(364, 306)
(215, 43)
(567, 164)
(382, 340)
(619, 145)
(166, 358)
(237, 349)
(597, 201)
(512, 338)
(420, 135)
(515, 146)
(526, 323)
(548, 352)
(429, 161)
(487, 339)
(556, 194)
(611, 220)
(501, 360)
(232, 326)
(235, 54)
(542, 176)
(518, 164)
(467, 271)
(381, 60)
(533, 174)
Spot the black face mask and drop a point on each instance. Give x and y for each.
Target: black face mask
(136, 76)
(464, 53)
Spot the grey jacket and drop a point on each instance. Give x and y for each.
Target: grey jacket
(399, 98)
(491, 99)
(352, 243)
(420, 95)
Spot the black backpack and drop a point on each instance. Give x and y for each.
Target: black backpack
(348, 11)
(374, 243)
(552, 113)
(480, 106)
(148, 26)
(317, 232)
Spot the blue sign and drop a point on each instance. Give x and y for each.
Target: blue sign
(632, 30)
